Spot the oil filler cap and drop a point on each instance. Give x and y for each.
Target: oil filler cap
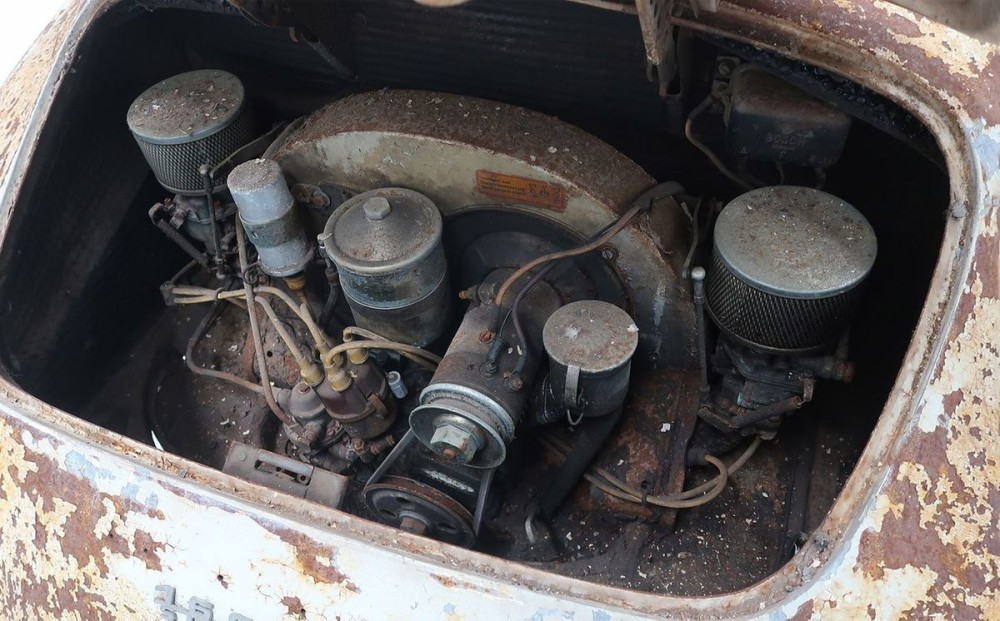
(385, 230)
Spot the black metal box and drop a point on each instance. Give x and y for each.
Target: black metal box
(769, 119)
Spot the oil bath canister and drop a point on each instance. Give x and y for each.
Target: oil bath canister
(386, 245)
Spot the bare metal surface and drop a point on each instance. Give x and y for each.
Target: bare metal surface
(795, 241)
(91, 518)
(186, 107)
(596, 336)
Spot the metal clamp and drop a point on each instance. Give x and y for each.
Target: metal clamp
(571, 386)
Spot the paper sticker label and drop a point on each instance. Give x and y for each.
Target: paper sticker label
(521, 190)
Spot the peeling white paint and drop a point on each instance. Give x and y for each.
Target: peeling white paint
(931, 412)
(964, 55)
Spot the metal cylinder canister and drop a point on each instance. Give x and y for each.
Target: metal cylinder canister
(189, 120)
(386, 245)
(269, 217)
(470, 409)
(787, 268)
(590, 346)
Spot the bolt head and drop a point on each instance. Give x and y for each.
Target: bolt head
(454, 443)
(514, 383)
(413, 525)
(377, 208)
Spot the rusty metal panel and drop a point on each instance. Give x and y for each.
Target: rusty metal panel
(654, 22)
(398, 138)
(93, 523)
(979, 18)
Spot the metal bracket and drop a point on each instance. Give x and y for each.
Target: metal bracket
(286, 475)
(161, 215)
(571, 388)
(658, 37)
(394, 455)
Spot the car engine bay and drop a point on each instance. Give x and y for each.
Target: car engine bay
(642, 353)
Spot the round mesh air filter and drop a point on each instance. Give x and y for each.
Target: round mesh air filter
(188, 120)
(787, 265)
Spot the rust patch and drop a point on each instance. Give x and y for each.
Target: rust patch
(148, 549)
(885, 36)
(445, 581)
(315, 561)
(75, 531)
(650, 446)
(497, 127)
(25, 83)
(35, 581)
(460, 585)
(293, 606)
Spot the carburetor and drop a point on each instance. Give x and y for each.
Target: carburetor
(786, 274)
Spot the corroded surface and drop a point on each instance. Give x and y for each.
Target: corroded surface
(93, 522)
(915, 531)
(30, 81)
(980, 18)
(437, 144)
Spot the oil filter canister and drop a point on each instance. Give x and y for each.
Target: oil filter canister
(386, 245)
(590, 346)
(270, 217)
(787, 267)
